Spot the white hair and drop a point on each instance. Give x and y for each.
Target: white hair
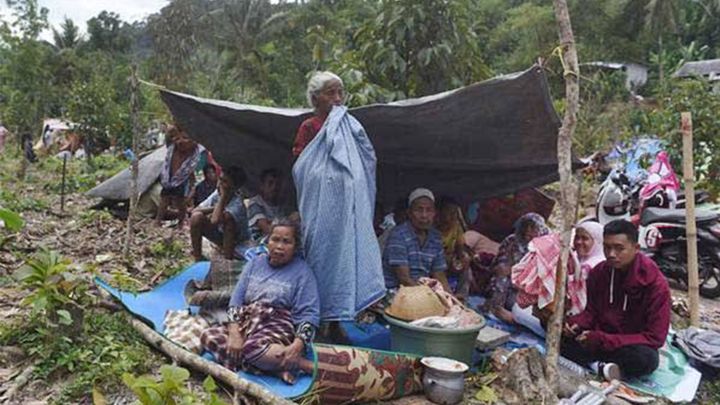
(317, 82)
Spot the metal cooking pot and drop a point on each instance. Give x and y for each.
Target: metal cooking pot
(444, 380)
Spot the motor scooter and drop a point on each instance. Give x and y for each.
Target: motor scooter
(662, 230)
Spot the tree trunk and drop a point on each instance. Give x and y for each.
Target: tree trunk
(134, 106)
(568, 199)
(661, 68)
(522, 377)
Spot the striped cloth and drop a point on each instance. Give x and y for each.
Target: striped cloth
(335, 180)
(534, 276)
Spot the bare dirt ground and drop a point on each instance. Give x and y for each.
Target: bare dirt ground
(93, 242)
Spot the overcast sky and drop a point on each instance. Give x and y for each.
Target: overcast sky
(82, 10)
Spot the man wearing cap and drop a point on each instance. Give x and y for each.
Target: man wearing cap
(414, 248)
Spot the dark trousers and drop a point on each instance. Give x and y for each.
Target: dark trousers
(634, 361)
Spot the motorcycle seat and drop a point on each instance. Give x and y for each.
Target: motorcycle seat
(653, 214)
(701, 196)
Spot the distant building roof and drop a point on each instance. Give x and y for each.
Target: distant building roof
(636, 74)
(708, 68)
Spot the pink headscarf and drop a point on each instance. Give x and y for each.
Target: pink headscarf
(596, 255)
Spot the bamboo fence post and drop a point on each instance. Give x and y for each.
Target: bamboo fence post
(134, 106)
(568, 199)
(691, 228)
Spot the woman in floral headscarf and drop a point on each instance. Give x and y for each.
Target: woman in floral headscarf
(501, 294)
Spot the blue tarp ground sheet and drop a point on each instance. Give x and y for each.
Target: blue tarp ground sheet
(152, 306)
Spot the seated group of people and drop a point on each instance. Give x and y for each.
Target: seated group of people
(226, 220)
(627, 313)
(221, 211)
(275, 309)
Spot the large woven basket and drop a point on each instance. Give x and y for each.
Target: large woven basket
(412, 303)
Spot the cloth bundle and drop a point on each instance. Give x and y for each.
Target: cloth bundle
(535, 276)
(457, 315)
(185, 329)
(701, 345)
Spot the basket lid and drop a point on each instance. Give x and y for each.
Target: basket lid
(412, 303)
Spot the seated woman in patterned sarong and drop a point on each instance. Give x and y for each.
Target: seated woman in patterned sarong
(274, 312)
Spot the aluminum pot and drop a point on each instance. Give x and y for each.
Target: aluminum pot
(444, 380)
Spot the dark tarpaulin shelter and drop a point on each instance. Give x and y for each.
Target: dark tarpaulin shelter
(483, 140)
(117, 188)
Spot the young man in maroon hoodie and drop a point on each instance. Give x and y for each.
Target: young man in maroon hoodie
(627, 316)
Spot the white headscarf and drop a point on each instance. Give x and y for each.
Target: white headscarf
(596, 255)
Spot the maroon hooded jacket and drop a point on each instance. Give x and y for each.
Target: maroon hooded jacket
(626, 308)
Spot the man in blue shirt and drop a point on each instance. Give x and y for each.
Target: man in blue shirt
(414, 248)
(222, 217)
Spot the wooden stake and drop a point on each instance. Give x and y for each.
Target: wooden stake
(220, 373)
(690, 228)
(134, 107)
(568, 199)
(62, 187)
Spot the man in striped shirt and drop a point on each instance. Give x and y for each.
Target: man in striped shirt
(414, 248)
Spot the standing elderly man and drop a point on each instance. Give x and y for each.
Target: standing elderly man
(627, 316)
(414, 248)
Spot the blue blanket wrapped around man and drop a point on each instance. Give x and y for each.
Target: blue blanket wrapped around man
(335, 180)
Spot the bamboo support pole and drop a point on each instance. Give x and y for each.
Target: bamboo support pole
(218, 372)
(691, 228)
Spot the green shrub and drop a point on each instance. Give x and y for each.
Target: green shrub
(171, 388)
(53, 289)
(106, 349)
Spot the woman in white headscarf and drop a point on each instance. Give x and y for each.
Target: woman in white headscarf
(588, 245)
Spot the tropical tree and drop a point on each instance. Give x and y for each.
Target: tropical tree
(697, 97)
(177, 32)
(526, 33)
(68, 37)
(23, 67)
(106, 32)
(421, 47)
(661, 18)
(250, 23)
